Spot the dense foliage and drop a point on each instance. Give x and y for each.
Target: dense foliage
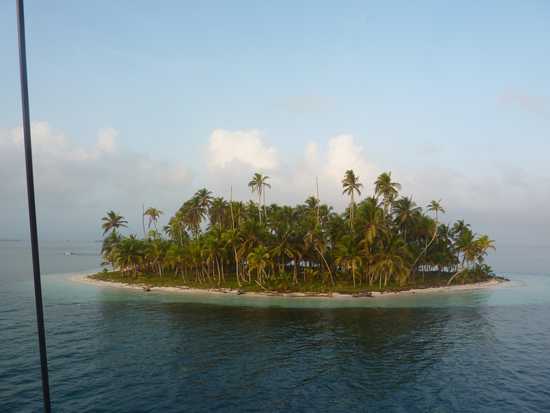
(384, 239)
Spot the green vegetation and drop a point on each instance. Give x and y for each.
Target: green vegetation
(383, 242)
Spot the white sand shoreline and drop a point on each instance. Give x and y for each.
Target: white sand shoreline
(85, 279)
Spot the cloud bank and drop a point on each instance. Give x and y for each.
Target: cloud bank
(504, 200)
(77, 183)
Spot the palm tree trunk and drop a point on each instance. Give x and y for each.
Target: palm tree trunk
(326, 265)
(425, 250)
(237, 266)
(351, 210)
(260, 204)
(456, 274)
(265, 214)
(219, 271)
(143, 218)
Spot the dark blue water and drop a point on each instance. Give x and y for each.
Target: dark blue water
(117, 350)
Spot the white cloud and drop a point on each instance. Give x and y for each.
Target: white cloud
(76, 184)
(106, 140)
(322, 161)
(343, 154)
(243, 146)
(311, 153)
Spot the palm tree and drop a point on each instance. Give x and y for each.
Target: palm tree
(387, 189)
(405, 211)
(314, 239)
(218, 212)
(375, 229)
(435, 207)
(174, 259)
(391, 261)
(312, 204)
(128, 254)
(233, 239)
(215, 250)
(112, 221)
(258, 260)
(108, 247)
(351, 185)
(459, 227)
(203, 201)
(176, 229)
(153, 214)
(426, 230)
(285, 249)
(258, 184)
(473, 249)
(483, 245)
(195, 210)
(155, 252)
(348, 255)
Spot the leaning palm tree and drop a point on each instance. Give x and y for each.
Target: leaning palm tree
(472, 250)
(315, 240)
(351, 185)
(258, 184)
(112, 221)
(387, 189)
(153, 214)
(483, 245)
(435, 207)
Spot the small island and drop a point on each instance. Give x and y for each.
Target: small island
(380, 244)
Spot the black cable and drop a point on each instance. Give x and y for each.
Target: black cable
(32, 208)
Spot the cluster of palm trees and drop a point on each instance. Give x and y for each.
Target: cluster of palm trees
(383, 240)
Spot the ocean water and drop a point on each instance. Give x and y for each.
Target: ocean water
(131, 351)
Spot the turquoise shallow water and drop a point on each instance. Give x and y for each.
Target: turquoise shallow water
(119, 350)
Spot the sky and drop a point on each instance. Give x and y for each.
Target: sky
(140, 102)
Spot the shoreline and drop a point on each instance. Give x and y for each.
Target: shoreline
(86, 279)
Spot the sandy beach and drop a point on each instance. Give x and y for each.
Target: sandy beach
(86, 279)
